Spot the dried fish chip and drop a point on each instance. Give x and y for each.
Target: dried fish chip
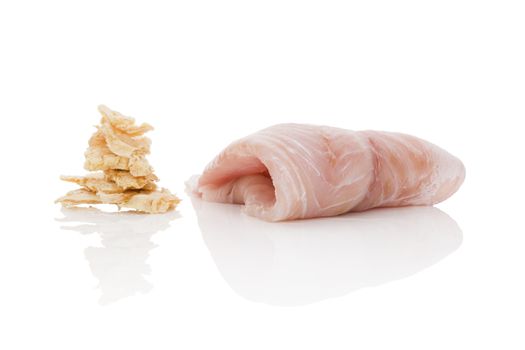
(79, 196)
(95, 182)
(123, 123)
(122, 144)
(153, 202)
(139, 166)
(101, 158)
(125, 181)
(118, 149)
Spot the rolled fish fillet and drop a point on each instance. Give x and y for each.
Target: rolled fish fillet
(296, 171)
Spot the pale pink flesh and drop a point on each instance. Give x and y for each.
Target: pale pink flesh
(295, 171)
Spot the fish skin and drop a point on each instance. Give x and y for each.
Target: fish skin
(299, 171)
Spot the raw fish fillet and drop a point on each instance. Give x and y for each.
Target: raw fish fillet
(296, 171)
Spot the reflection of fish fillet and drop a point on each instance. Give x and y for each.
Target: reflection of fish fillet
(294, 171)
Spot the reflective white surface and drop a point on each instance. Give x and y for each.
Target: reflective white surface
(120, 262)
(286, 264)
(301, 262)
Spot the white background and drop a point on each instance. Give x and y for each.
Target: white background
(207, 72)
